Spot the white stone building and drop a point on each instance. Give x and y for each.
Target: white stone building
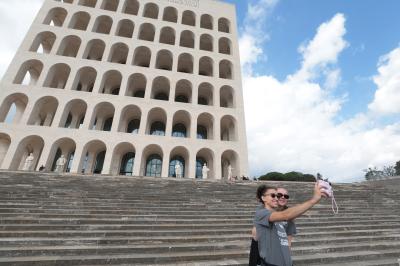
(127, 87)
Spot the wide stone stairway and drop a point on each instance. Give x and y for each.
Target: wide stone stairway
(49, 219)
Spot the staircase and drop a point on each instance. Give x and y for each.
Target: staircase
(48, 219)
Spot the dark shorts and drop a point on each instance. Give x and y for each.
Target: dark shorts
(254, 257)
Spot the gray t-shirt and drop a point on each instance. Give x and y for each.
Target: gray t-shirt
(273, 244)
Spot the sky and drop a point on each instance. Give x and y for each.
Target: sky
(321, 81)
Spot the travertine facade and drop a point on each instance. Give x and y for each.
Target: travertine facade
(126, 87)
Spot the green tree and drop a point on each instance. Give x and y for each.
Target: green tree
(397, 168)
(276, 176)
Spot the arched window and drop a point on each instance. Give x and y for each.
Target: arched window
(94, 50)
(133, 126)
(199, 167)
(56, 17)
(228, 128)
(88, 3)
(102, 117)
(206, 22)
(223, 25)
(103, 25)
(79, 21)
(125, 28)
(136, 85)
(119, 53)
(225, 69)
(12, 108)
(174, 161)
(57, 76)
(43, 112)
(127, 163)
(69, 46)
(201, 132)
(206, 66)
(170, 14)
(111, 82)
(29, 73)
(224, 46)
(226, 97)
(164, 60)
(179, 131)
(43, 42)
(206, 42)
(111, 5)
(187, 39)
(131, 7)
(183, 91)
(146, 32)
(167, 36)
(160, 89)
(150, 11)
(185, 63)
(205, 94)
(157, 129)
(188, 18)
(153, 165)
(142, 56)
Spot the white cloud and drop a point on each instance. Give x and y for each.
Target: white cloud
(15, 19)
(291, 124)
(387, 97)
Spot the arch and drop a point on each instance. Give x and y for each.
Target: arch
(102, 117)
(146, 32)
(88, 3)
(227, 98)
(29, 73)
(5, 142)
(94, 50)
(183, 91)
(30, 144)
(43, 42)
(206, 66)
(160, 89)
(69, 46)
(187, 39)
(156, 121)
(111, 83)
(179, 155)
(142, 56)
(152, 159)
(170, 14)
(205, 94)
(164, 60)
(65, 147)
(228, 128)
(56, 17)
(205, 155)
(136, 85)
(43, 111)
(224, 45)
(131, 7)
(225, 69)
(206, 42)
(130, 119)
(79, 21)
(150, 11)
(125, 28)
(12, 108)
(185, 63)
(167, 35)
(110, 5)
(73, 114)
(85, 79)
(57, 76)
(230, 157)
(224, 25)
(103, 25)
(181, 124)
(123, 159)
(205, 121)
(92, 157)
(189, 18)
(119, 53)
(206, 22)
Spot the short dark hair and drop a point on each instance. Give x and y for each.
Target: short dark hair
(261, 190)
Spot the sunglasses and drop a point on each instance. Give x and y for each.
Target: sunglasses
(280, 195)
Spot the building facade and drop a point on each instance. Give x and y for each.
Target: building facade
(128, 87)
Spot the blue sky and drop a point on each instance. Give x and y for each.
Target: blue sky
(321, 81)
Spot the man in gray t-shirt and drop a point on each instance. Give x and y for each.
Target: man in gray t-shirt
(273, 242)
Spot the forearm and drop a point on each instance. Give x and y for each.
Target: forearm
(297, 210)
